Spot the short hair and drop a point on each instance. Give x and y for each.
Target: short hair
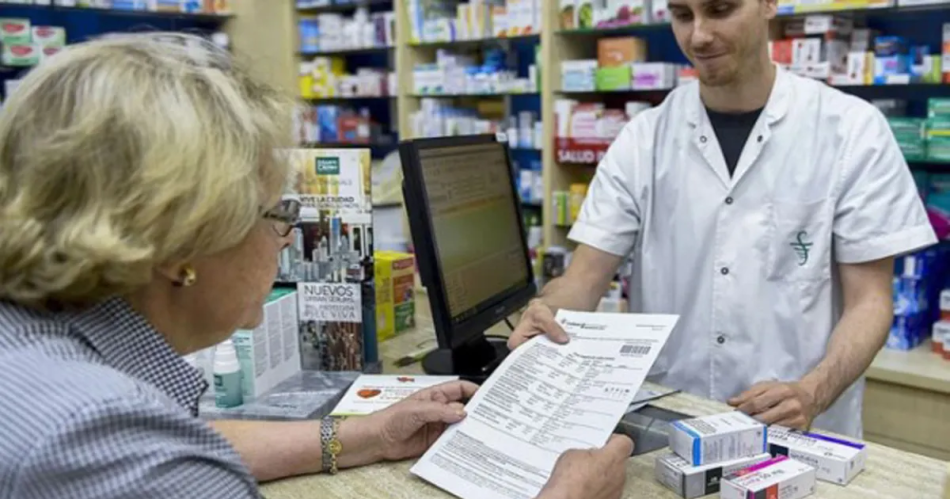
(126, 152)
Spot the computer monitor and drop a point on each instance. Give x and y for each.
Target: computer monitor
(465, 217)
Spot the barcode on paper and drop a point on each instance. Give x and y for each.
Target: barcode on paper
(635, 350)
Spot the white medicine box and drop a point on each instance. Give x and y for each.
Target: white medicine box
(270, 353)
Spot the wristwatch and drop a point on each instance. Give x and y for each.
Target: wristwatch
(330, 444)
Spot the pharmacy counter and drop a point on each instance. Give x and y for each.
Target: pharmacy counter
(890, 474)
(907, 401)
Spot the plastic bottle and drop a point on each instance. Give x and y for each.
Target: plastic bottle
(227, 376)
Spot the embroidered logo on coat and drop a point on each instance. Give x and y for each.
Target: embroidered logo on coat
(802, 247)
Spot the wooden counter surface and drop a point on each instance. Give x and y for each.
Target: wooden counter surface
(890, 473)
(917, 368)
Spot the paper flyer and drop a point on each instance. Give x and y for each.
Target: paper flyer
(372, 393)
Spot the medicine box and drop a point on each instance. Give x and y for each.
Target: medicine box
(835, 460)
(777, 478)
(15, 31)
(717, 438)
(616, 78)
(270, 353)
(20, 55)
(938, 107)
(653, 75)
(583, 14)
(395, 293)
(49, 36)
(690, 481)
(620, 51)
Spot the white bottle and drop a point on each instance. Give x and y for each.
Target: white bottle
(227, 376)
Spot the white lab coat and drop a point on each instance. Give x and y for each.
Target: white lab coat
(749, 262)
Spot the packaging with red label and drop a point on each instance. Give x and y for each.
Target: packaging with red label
(778, 478)
(20, 55)
(15, 31)
(49, 36)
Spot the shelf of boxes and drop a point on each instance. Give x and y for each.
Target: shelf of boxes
(215, 12)
(346, 51)
(462, 42)
(330, 6)
(345, 55)
(31, 33)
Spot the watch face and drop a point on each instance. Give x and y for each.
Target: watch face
(336, 447)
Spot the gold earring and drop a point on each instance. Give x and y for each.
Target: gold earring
(188, 277)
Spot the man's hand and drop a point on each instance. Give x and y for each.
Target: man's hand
(536, 320)
(408, 428)
(787, 404)
(591, 474)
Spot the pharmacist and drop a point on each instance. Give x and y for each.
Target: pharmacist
(763, 208)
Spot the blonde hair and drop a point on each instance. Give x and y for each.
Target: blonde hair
(127, 152)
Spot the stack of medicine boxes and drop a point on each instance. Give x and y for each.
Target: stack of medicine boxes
(739, 457)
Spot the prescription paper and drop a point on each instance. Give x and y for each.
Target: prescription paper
(543, 400)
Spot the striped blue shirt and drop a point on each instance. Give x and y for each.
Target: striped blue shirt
(96, 404)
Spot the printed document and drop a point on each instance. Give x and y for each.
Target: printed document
(543, 400)
(371, 392)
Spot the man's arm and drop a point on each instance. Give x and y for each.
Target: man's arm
(859, 335)
(580, 288)
(856, 339)
(584, 282)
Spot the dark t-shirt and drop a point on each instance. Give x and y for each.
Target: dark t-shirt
(732, 130)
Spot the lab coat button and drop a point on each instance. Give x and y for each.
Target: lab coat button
(729, 200)
(760, 138)
(724, 270)
(721, 339)
(702, 138)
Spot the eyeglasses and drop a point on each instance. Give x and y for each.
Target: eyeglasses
(286, 216)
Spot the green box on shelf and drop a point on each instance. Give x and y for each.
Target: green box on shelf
(902, 126)
(618, 78)
(937, 106)
(938, 149)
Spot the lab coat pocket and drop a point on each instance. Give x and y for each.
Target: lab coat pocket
(800, 249)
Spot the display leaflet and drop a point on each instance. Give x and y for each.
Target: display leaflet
(543, 400)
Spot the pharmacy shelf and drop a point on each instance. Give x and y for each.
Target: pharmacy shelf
(618, 30)
(526, 149)
(349, 145)
(532, 204)
(498, 95)
(930, 165)
(477, 41)
(342, 52)
(348, 98)
(344, 7)
(611, 92)
(195, 17)
(867, 11)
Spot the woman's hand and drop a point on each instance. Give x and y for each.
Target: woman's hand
(405, 429)
(591, 474)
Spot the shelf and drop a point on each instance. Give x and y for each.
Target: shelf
(611, 92)
(353, 98)
(496, 95)
(618, 30)
(348, 145)
(525, 149)
(477, 41)
(352, 51)
(343, 7)
(532, 204)
(209, 18)
(881, 10)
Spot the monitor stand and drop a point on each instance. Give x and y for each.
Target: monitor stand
(473, 361)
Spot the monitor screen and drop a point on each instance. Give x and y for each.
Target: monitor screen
(475, 224)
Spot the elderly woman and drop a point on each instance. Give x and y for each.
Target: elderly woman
(141, 220)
